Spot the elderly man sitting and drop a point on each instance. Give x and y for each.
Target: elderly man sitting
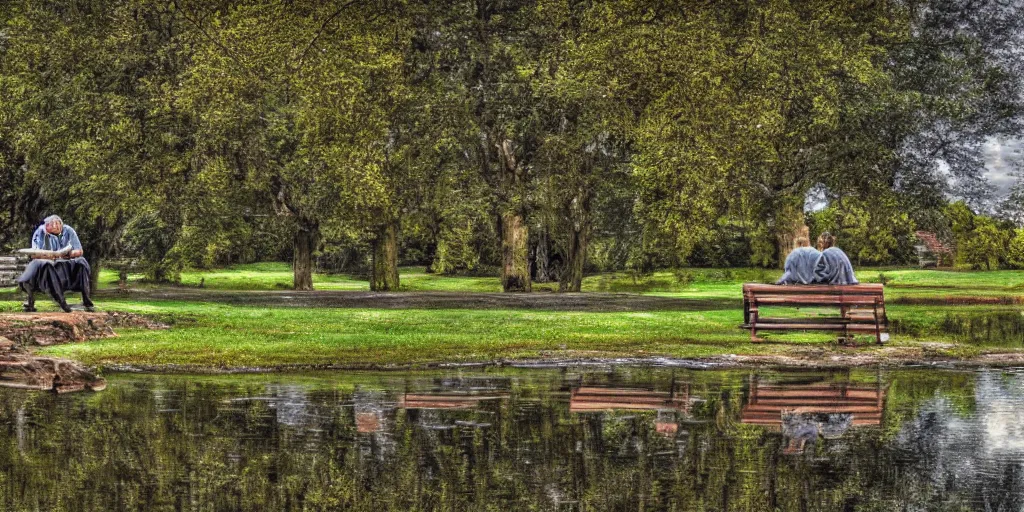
(56, 275)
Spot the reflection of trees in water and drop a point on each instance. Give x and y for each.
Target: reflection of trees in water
(167, 443)
(979, 453)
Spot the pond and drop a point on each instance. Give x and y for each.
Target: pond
(586, 438)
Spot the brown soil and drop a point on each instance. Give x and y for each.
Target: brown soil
(45, 329)
(19, 368)
(588, 302)
(965, 300)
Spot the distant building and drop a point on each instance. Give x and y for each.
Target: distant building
(931, 252)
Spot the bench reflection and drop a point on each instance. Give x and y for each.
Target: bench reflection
(804, 412)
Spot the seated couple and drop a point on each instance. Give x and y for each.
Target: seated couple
(825, 265)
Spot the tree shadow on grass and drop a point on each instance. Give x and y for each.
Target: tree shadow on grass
(583, 302)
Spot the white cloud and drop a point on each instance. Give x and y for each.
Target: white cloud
(1001, 156)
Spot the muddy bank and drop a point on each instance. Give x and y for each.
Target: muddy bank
(21, 369)
(925, 354)
(45, 329)
(19, 332)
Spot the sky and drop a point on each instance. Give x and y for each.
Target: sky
(1000, 157)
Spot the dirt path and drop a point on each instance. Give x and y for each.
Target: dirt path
(584, 302)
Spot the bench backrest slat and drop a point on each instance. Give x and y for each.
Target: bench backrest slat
(813, 289)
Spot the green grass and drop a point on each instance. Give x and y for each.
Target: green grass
(221, 335)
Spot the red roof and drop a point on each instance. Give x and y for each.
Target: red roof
(932, 242)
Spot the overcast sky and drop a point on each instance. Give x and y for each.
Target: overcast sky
(1000, 157)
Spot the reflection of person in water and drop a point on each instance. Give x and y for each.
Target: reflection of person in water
(834, 266)
(800, 428)
(800, 264)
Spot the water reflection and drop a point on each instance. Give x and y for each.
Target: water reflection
(625, 439)
(999, 328)
(806, 411)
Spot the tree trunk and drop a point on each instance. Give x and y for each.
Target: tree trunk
(95, 261)
(572, 277)
(305, 241)
(789, 225)
(515, 253)
(385, 259)
(542, 258)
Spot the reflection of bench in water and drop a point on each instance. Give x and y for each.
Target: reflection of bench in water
(445, 400)
(767, 402)
(586, 399)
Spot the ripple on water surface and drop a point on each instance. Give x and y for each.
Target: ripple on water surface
(513, 439)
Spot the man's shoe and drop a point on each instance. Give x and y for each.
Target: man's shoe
(28, 308)
(90, 309)
(64, 307)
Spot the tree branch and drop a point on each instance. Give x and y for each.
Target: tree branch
(199, 27)
(320, 32)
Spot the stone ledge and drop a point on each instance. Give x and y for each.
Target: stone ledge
(21, 369)
(46, 329)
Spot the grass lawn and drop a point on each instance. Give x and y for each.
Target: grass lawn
(214, 334)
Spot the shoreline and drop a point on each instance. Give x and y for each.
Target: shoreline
(724, 362)
(34, 334)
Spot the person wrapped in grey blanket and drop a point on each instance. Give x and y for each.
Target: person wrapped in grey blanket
(834, 266)
(800, 264)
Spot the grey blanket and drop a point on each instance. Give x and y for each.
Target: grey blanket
(834, 268)
(800, 266)
(56, 277)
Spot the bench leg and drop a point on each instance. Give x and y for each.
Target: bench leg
(878, 327)
(753, 328)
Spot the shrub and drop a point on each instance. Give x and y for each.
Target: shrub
(1015, 254)
(683, 277)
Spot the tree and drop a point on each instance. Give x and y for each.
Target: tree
(873, 231)
(83, 85)
(488, 57)
(738, 104)
(1015, 254)
(284, 97)
(980, 241)
(581, 155)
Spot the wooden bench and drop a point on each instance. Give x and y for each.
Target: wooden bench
(587, 399)
(861, 308)
(445, 400)
(11, 268)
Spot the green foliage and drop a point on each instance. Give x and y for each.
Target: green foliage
(872, 231)
(981, 242)
(616, 134)
(1015, 254)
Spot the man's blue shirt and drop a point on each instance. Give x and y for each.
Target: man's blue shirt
(43, 240)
